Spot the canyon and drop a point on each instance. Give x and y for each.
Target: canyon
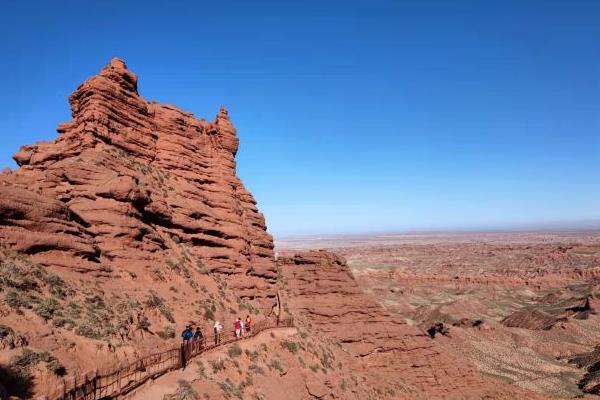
(520, 307)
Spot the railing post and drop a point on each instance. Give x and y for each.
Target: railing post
(85, 386)
(95, 383)
(182, 356)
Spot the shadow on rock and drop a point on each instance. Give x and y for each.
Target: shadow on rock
(15, 382)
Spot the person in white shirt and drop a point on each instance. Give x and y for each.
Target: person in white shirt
(217, 330)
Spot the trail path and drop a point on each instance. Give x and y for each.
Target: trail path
(167, 384)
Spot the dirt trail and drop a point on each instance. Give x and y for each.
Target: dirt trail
(167, 384)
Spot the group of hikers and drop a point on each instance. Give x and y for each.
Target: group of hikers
(240, 328)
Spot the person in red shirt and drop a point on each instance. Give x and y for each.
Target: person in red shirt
(238, 328)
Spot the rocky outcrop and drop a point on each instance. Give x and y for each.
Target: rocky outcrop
(549, 311)
(590, 382)
(399, 358)
(127, 183)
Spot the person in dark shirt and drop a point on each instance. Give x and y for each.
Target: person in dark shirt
(198, 336)
(187, 334)
(248, 324)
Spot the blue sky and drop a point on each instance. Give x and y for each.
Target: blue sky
(353, 116)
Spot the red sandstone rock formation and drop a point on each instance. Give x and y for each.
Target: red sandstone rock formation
(549, 311)
(127, 226)
(398, 357)
(125, 181)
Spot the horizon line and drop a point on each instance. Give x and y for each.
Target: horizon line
(592, 226)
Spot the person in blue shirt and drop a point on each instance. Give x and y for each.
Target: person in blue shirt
(187, 334)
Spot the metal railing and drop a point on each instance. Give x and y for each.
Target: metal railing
(124, 379)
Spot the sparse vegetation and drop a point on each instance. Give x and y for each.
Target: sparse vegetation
(72, 311)
(28, 358)
(155, 301)
(192, 283)
(217, 365)
(292, 347)
(230, 389)
(18, 277)
(89, 330)
(201, 368)
(98, 320)
(56, 285)
(202, 267)
(174, 264)
(143, 323)
(25, 276)
(209, 310)
(234, 351)
(55, 367)
(252, 355)
(256, 369)
(63, 322)
(276, 365)
(47, 308)
(17, 300)
(22, 277)
(344, 385)
(326, 360)
(6, 331)
(157, 275)
(185, 391)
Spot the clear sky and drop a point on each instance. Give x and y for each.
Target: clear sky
(353, 115)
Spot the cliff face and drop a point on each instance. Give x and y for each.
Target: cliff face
(129, 225)
(127, 183)
(398, 359)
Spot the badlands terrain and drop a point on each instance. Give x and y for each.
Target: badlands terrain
(520, 307)
(132, 223)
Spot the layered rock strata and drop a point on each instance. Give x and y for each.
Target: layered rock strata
(128, 180)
